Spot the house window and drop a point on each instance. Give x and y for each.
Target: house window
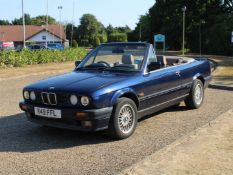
(43, 37)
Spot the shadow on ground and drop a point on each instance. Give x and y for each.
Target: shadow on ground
(19, 135)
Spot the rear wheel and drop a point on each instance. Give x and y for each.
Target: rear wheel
(196, 95)
(124, 119)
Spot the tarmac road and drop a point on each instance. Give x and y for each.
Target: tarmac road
(26, 148)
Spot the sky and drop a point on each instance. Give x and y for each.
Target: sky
(115, 12)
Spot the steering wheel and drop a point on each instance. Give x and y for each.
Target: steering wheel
(104, 63)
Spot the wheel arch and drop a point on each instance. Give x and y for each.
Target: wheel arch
(128, 93)
(199, 77)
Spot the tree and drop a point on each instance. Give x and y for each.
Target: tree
(117, 37)
(124, 29)
(19, 21)
(110, 29)
(207, 22)
(89, 28)
(96, 42)
(42, 19)
(38, 20)
(4, 22)
(69, 32)
(74, 44)
(143, 28)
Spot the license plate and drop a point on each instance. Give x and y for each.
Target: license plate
(48, 113)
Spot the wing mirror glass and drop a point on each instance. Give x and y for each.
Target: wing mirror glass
(77, 63)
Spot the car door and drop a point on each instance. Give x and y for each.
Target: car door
(160, 86)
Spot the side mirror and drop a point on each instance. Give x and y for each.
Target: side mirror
(77, 63)
(154, 66)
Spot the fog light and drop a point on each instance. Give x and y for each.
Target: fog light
(87, 124)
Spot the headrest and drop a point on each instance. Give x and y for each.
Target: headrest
(162, 59)
(127, 59)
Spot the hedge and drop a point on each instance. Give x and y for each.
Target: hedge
(118, 37)
(27, 57)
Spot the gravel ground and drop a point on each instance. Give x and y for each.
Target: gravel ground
(205, 151)
(26, 148)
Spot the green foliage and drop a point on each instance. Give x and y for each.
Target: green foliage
(113, 33)
(38, 20)
(103, 38)
(84, 43)
(89, 28)
(27, 57)
(4, 22)
(41, 20)
(96, 42)
(110, 29)
(117, 37)
(69, 32)
(144, 26)
(74, 44)
(207, 22)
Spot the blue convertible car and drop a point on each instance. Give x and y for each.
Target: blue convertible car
(114, 86)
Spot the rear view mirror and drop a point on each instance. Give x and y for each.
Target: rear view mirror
(77, 63)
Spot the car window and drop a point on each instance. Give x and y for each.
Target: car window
(117, 56)
(36, 47)
(151, 56)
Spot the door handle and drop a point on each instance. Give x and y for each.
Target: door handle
(178, 73)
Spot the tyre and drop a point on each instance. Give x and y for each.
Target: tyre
(196, 95)
(124, 119)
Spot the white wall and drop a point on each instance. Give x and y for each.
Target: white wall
(39, 37)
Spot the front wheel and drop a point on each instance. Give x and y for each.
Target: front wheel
(196, 95)
(124, 119)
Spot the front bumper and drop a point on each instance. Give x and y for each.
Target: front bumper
(99, 118)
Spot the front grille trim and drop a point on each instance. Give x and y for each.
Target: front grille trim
(47, 100)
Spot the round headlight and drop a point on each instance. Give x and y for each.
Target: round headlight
(32, 96)
(26, 95)
(73, 99)
(85, 101)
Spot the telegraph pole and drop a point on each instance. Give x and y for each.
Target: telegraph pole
(72, 30)
(60, 9)
(24, 28)
(47, 22)
(183, 44)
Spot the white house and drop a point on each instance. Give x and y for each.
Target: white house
(34, 34)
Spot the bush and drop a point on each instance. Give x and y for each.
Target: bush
(84, 43)
(117, 37)
(27, 57)
(96, 42)
(74, 44)
(103, 38)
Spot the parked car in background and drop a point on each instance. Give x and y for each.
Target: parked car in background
(49, 46)
(7, 46)
(114, 86)
(55, 46)
(36, 47)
